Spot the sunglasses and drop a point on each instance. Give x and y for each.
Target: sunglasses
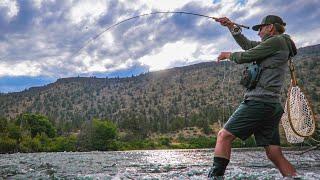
(263, 25)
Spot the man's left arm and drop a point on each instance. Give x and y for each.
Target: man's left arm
(261, 51)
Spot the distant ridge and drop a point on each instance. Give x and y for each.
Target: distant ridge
(313, 49)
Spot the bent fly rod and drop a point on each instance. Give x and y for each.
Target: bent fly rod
(148, 14)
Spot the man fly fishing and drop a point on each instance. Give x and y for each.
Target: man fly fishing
(260, 112)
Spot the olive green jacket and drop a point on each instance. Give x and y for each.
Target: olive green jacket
(272, 54)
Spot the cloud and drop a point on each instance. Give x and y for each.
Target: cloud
(25, 68)
(86, 10)
(8, 9)
(171, 52)
(40, 37)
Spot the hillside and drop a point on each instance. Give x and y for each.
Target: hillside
(310, 50)
(161, 101)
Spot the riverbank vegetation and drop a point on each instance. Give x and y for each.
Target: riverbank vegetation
(36, 133)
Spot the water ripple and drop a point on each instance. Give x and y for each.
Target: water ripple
(149, 164)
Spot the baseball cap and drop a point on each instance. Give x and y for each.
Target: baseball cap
(270, 19)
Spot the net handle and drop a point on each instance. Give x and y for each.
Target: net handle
(293, 84)
(294, 81)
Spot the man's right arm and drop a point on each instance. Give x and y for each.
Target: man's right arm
(243, 42)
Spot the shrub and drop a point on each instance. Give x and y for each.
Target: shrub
(7, 144)
(28, 144)
(61, 143)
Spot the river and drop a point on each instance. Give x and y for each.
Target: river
(150, 164)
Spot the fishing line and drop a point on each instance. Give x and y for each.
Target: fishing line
(142, 15)
(221, 123)
(227, 69)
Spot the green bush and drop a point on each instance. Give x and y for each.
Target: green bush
(98, 135)
(45, 142)
(164, 141)
(136, 144)
(3, 125)
(103, 134)
(201, 142)
(37, 124)
(29, 144)
(14, 131)
(181, 146)
(7, 144)
(61, 143)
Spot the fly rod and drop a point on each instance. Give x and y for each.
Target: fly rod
(148, 14)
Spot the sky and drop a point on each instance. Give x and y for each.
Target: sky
(40, 39)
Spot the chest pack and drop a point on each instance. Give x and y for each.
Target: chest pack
(251, 75)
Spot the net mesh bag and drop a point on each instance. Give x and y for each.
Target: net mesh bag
(299, 112)
(290, 135)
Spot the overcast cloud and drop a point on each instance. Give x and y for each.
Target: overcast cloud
(39, 38)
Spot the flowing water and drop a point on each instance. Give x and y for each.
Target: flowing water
(150, 164)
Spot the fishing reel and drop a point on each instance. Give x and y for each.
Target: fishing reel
(236, 30)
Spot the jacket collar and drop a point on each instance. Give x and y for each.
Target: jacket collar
(267, 36)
